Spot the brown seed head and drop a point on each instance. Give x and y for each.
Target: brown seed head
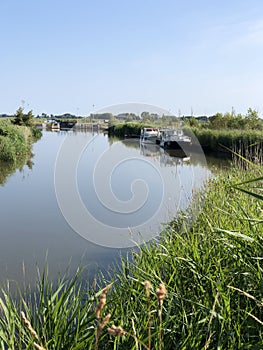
(105, 321)
(147, 285)
(161, 292)
(102, 302)
(116, 331)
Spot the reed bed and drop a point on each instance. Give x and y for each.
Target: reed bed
(197, 287)
(247, 143)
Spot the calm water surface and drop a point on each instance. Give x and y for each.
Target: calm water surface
(34, 230)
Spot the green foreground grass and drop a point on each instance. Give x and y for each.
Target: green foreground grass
(211, 268)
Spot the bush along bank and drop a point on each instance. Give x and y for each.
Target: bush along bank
(16, 141)
(198, 287)
(130, 129)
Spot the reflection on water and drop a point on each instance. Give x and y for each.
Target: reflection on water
(33, 229)
(166, 157)
(8, 168)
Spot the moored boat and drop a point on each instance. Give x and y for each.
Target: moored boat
(173, 139)
(149, 135)
(55, 126)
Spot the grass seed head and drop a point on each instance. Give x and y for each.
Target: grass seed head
(147, 285)
(105, 321)
(116, 331)
(161, 293)
(102, 302)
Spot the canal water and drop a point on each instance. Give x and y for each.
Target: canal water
(84, 199)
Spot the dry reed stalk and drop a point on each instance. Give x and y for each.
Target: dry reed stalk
(255, 318)
(147, 285)
(100, 328)
(161, 293)
(23, 268)
(32, 331)
(208, 339)
(29, 326)
(38, 347)
(98, 313)
(94, 282)
(247, 295)
(134, 332)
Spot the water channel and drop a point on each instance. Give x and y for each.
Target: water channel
(85, 199)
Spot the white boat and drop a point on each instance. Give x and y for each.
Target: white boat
(55, 125)
(149, 135)
(173, 139)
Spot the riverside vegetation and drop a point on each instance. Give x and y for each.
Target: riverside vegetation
(239, 133)
(198, 287)
(16, 139)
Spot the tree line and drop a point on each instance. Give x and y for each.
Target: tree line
(249, 121)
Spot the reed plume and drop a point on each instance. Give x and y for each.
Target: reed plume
(102, 302)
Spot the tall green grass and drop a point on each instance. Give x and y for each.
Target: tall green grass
(61, 315)
(212, 272)
(245, 142)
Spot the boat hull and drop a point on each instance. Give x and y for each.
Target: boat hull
(169, 144)
(149, 139)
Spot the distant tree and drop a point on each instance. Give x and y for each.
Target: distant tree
(19, 116)
(28, 118)
(147, 117)
(252, 120)
(23, 119)
(235, 121)
(129, 118)
(193, 122)
(217, 121)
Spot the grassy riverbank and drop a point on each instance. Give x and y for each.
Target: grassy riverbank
(15, 147)
(212, 271)
(15, 141)
(240, 141)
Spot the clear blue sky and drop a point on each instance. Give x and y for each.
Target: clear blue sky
(66, 56)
